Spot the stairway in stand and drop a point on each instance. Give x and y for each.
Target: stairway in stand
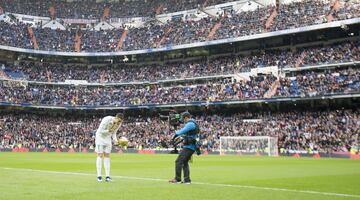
(122, 40)
(77, 42)
(335, 8)
(215, 28)
(106, 14)
(270, 20)
(32, 37)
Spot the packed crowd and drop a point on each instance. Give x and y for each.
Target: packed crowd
(90, 9)
(15, 35)
(243, 23)
(225, 89)
(58, 40)
(179, 31)
(71, 95)
(343, 52)
(298, 14)
(309, 12)
(154, 34)
(45, 72)
(64, 40)
(37, 131)
(347, 10)
(323, 131)
(100, 41)
(314, 84)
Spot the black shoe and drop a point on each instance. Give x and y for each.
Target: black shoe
(99, 179)
(186, 182)
(108, 179)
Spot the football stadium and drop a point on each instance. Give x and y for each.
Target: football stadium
(179, 99)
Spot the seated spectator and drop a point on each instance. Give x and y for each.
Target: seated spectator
(321, 131)
(154, 34)
(225, 65)
(66, 95)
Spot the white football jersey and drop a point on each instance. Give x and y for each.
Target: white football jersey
(103, 132)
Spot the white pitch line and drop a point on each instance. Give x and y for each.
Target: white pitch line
(196, 183)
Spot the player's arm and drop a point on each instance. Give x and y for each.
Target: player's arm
(188, 127)
(114, 130)
(114, 137)
(104, 127)
(114, 127)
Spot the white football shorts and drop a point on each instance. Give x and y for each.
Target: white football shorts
(103, 146)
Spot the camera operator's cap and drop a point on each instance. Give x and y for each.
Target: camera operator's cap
(185, 114)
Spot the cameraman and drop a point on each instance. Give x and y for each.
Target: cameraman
(190, 133)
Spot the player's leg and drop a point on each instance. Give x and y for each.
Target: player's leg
(107, 151)
(99, 149)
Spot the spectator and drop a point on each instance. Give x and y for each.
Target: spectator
(115, 73)
(64, 95)
(175, 32)
(322, 131)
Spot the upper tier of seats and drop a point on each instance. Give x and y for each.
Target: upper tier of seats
(90, 9)
(154, 34)
(119, 73)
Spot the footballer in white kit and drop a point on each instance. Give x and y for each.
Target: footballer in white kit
(105, 133)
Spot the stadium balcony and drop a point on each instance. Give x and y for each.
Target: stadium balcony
(239, 66)
(241, 22)
(340, 83)
(94, 9)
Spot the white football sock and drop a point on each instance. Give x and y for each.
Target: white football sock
(107, 166)
(98, 165)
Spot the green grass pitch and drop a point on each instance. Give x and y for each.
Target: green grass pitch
(143, 177)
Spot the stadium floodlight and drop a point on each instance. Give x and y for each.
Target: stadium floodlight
(249, 145)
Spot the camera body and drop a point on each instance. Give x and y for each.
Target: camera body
(174, 119)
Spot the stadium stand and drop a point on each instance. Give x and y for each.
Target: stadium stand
(317, 55)
(301, 69)
(309, 84)
(322, 131)
(154, 34)
(92, 9)
(137, 94)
